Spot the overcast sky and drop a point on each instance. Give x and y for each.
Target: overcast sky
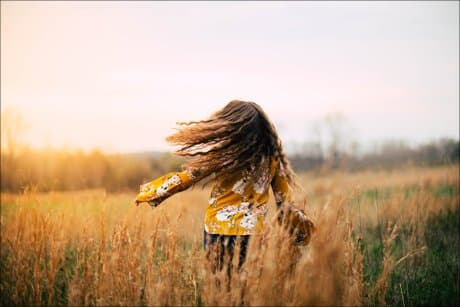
(118, 75)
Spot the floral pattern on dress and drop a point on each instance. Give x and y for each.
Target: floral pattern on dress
(261, 210)
(244, 207)
(212, 201)
(226, 213)
(240, 186)
(261, 183)
(163, 189)
(217, 191)
(249, 220)
(237, 205)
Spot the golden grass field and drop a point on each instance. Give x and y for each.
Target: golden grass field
(373, 245)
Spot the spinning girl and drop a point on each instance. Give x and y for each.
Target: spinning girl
(240, 148)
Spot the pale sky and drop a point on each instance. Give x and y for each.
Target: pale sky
(118, 75)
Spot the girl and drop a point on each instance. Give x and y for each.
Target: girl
(240, 147)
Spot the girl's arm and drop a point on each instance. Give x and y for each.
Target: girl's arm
(294, 218)
(282, 192)
(156, 191)
(281, 188)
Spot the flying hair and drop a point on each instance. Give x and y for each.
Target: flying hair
(239, 137)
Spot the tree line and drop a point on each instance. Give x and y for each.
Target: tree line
(329, 148)
(388, 154)
(47, 170)
(50, 170)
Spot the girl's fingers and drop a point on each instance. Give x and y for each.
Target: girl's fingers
(153, 203)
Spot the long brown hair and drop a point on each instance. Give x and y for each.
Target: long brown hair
(238, 137)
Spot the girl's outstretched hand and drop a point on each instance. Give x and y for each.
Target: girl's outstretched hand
(153, 203)
(297, 223)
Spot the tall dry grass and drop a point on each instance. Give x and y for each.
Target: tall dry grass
(93, 248)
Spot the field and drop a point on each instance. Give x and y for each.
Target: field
(383, 237)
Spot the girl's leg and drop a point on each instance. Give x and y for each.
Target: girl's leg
(220, 250)
(214, 246)
(243, 246)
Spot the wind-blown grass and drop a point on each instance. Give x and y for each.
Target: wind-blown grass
(382, 238)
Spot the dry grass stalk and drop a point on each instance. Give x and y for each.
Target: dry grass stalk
(91, 248)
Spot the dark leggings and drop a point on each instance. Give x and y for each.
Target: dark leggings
(221, 248)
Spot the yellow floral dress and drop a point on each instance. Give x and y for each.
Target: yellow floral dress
(237, 204)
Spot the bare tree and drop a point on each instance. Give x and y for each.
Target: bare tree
(338, 130)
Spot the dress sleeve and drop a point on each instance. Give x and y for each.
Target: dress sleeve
(156, 191)
(281, 188)
(295, 219)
